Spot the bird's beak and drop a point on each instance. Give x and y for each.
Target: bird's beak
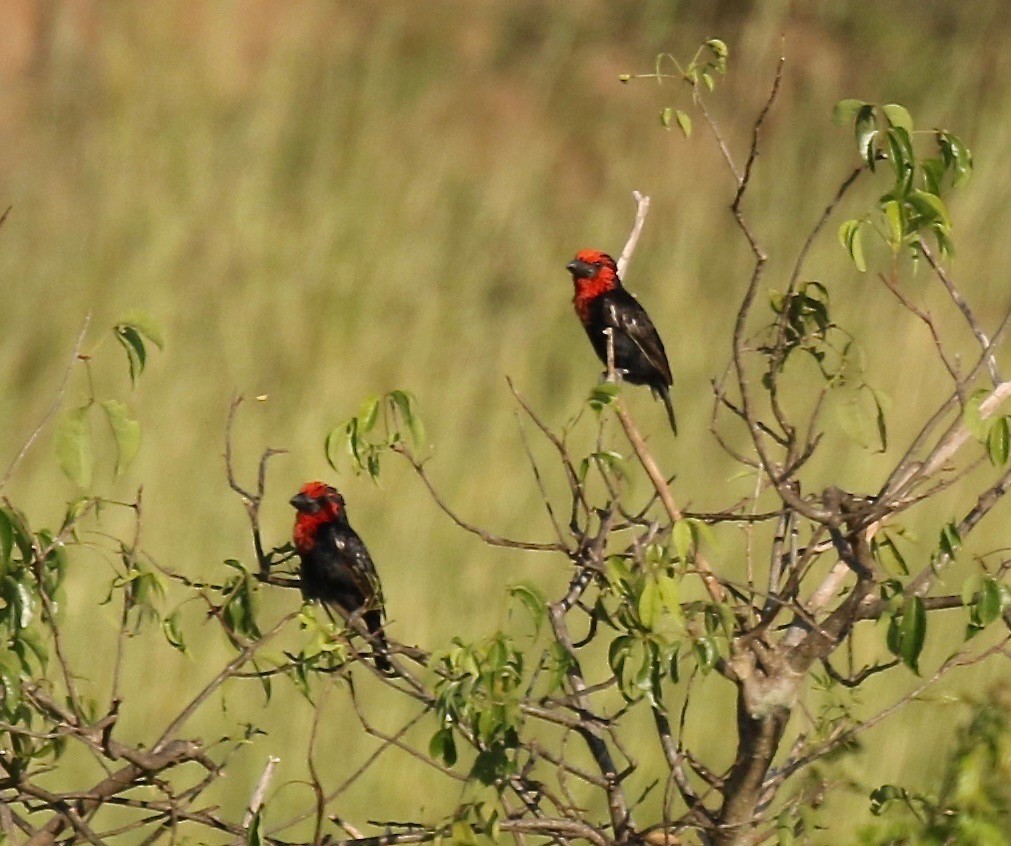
(580, 268)
(303, 502)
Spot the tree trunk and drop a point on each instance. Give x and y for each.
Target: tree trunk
(758, 740)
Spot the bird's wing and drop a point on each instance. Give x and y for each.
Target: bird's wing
(625, 315)
(361, 569)
(345, 566)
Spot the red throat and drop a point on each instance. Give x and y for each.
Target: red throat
(306, 527)
(587, 290)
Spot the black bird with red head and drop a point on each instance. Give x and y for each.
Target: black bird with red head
(336, 567)
(603, 303)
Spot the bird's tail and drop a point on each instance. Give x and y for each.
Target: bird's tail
(379, 645)
(664, 394)
(379, 654)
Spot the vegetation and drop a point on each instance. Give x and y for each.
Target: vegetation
(218, 216)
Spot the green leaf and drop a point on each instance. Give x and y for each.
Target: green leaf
(913, 632)
(950, 541)
(670, 593)
(973, 418)
(136, 352)
(684, 539)
(667, 117)
(881, 402)
(463, 834)
(702, 531)
(865, 130)
(17, 596)
(718, 48)
(706, 653)
(367, 414)
(933, 173)
(146, 326)
(617, 654)
(997, 441)
(603, 394)
(930, 206)
(35, 643)
(989, 605)
(73, 446)
(893, 216)
(851, 239)
(125, 431)
(650, 604)
(405, 404)
(335, 437)
(888, 555)
(902, 158)
(6, 539)
(898, 116)
(443, 746)
(685, 122)
(533, 599)
(617, 570)
(173, 632)
(846, 110)
(883, 796)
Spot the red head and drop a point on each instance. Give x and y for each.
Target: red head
(593, 273)
(316, 503)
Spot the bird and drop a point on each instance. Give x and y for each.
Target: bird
(601, 303)
(336, 567)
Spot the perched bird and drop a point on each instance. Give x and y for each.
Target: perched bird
(602, 303)
(336, 566)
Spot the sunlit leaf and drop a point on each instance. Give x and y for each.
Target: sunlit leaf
(950, 540)
(685, 122)
(533, 599)
(893, 216)
(684, 539)
(898, 116)
(930, 206)
(146, 326)
(73, 446)
(974, 422)
(852, 240)
(846, 110)
(997, 441)
(603, 394)
(368, 413)
(650, 604)
(125, 432)
(6, 539)
(914, 631)
(131, 341)
(865, 130)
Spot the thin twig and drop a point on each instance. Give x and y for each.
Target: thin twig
(256, 801)
(963, 306)
(641, 210)
(57, 401)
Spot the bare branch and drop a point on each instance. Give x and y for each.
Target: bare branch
(256, 800)
(963, 306)
(641, 210)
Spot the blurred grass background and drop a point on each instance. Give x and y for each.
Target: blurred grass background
(330, 200)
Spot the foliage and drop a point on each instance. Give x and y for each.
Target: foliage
(972, 802)
(537, 732)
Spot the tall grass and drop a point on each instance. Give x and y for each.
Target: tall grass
(339, 199)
